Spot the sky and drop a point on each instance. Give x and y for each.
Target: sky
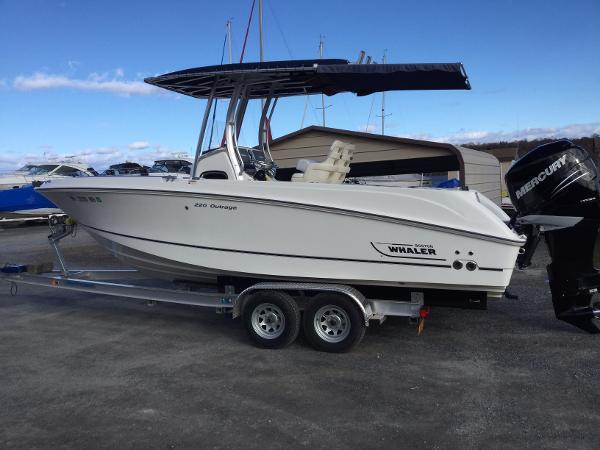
(71, 72)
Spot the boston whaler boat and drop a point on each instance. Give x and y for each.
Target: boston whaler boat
(233, 224)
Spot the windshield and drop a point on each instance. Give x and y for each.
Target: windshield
(67, 171)
(25, 168)
(126, 168)
(42, 170)
(170, 166)
(159, 168)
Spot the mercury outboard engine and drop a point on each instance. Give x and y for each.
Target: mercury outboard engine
(555, 190)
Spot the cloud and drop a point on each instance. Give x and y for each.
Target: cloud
(12, 160)
(98, 157)
(369, 128)
(484, 136)
(8, 160)
(139, 145)
(103, 151)
(94, 82)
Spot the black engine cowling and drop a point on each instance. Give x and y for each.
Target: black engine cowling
(555, 190)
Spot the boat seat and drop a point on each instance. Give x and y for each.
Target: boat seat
(302, 164)
(333, 170)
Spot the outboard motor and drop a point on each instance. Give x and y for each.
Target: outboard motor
(555, 190)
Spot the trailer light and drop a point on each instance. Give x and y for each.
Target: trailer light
(457, 264)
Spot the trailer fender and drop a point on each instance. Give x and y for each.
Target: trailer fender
(355, 295)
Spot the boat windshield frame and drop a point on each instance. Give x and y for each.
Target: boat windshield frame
(26, 168)
(273, 79)
(41, 169)
(236, 112)
(168, 164)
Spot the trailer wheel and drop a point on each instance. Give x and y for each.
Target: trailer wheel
(333, 323)
(272, 319)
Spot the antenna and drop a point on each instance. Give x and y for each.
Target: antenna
(323, 107)
(383, 114)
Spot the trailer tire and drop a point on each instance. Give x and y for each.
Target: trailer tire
(272, 319)
(333, 323)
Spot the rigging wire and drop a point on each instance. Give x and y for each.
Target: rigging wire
(304, 113)
(290, 53)
(247, 31)
(285, 42)
(289, 50)
(212, 126)
(370, 113)
(241, 56)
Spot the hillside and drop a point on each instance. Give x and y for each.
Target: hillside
(591, 143)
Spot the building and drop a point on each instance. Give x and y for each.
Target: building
(506, 155)
(377, 155)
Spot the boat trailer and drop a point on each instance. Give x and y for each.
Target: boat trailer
(334, 318)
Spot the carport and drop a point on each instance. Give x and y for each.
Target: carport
(377, 155)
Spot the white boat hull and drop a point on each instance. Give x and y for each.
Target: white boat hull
(295, 231)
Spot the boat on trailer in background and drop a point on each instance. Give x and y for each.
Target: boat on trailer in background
(25, 203)
(51, 169)
(180, 164)
(356, 253)
(19, 202)
(127, 168)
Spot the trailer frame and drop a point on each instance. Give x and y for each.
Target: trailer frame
(106, 282)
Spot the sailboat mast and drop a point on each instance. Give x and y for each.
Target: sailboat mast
(260, 41)
(322, 95)
(260, 29)
(383, 102)
(229, 40)
(383, 114)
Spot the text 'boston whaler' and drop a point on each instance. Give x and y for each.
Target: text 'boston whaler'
(233, 220)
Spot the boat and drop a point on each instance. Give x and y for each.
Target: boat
(24, 169)
(232, 220)
(126, 168)
(25, 201)
(41, 172)
(224, 221)
(179, 165)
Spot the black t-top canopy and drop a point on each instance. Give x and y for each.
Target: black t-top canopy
(300, 77)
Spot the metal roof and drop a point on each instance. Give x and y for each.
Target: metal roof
(478, 170)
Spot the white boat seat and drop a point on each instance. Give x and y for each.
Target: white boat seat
(333, 170)
(302, 164)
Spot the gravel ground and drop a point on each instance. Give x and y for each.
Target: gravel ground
(88, 371)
